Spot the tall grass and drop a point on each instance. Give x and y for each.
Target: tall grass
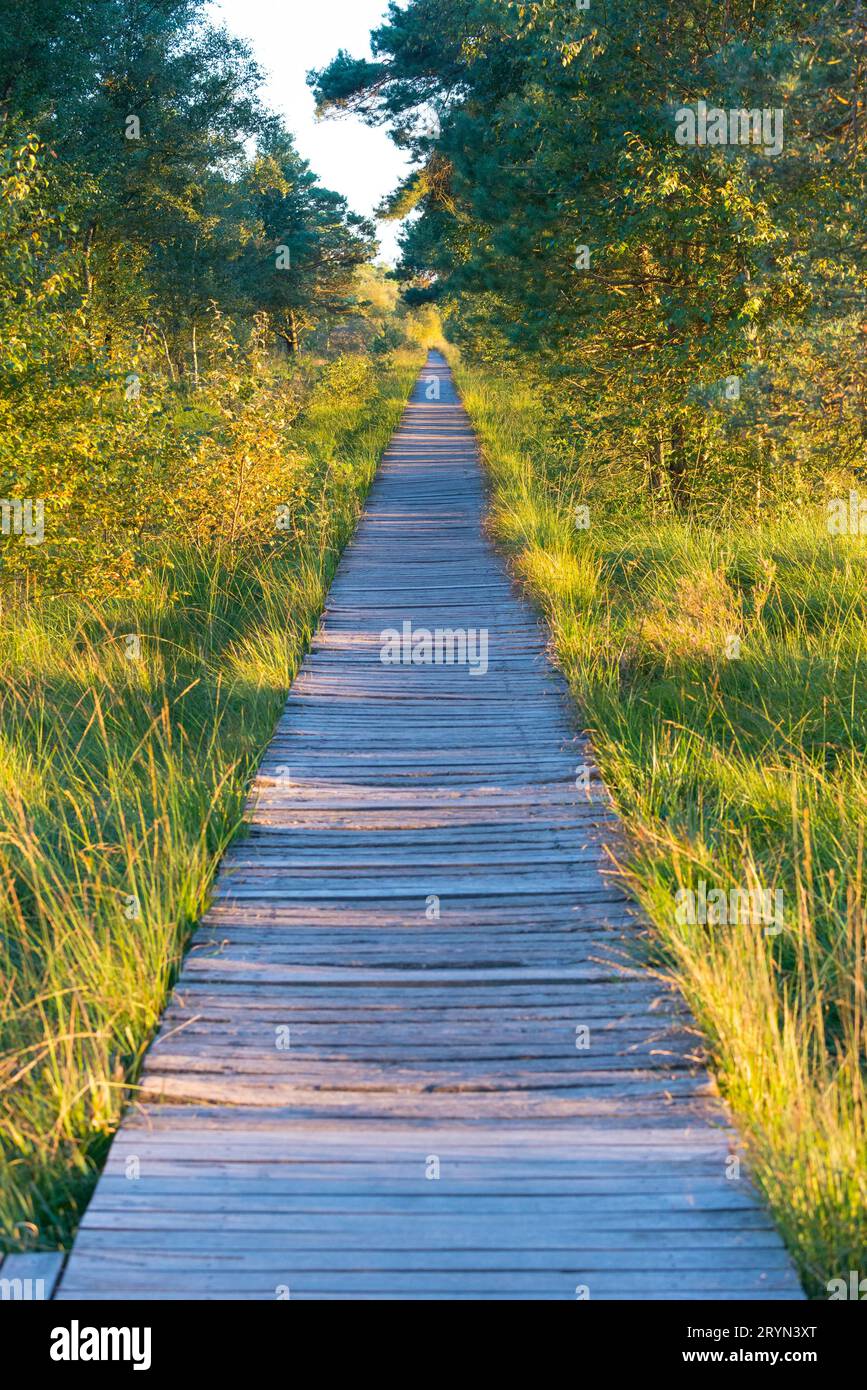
(123, 771)
(741, 763)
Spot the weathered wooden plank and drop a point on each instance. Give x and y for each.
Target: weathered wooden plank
(603, 1203)
(159, 1201)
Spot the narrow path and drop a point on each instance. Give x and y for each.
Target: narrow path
(373, 1080)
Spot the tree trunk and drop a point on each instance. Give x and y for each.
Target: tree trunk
(88, 247)
(677, 468)
(290, 333)
(656, 464)
(172, 374)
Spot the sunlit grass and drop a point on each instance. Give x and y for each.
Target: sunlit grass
(743, 763)
(123, 774)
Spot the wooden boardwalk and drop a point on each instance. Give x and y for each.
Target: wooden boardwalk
(403, 1058)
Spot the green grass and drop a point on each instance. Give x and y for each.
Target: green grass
(743, 770)
(121, 783)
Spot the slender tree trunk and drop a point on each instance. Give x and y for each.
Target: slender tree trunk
(656, 464)
(89, 236)
(172, 373)
(677, 467)
(289, 337)
(195, 359)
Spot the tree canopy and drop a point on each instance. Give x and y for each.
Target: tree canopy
(161, 240)
(698, 308)
(174, 184)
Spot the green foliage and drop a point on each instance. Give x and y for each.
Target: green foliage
(145, 195)
(323, 243)
(557, 131)
(149, 333)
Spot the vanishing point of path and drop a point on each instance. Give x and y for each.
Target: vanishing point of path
(404, 1058)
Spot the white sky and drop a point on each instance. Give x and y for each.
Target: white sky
(288, 37)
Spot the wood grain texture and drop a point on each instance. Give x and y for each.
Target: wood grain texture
(414, 1052)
